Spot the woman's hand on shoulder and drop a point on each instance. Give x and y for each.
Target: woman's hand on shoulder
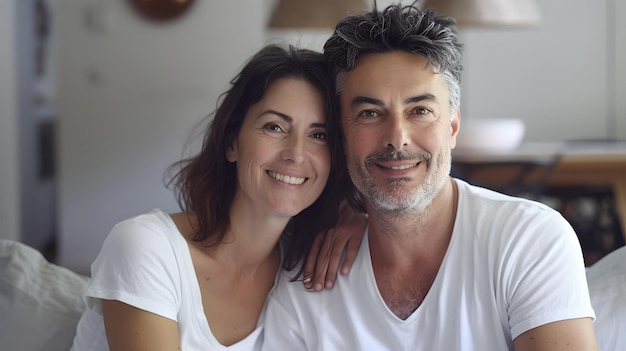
(322, 263)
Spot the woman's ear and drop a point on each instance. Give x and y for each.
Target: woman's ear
(231, 151)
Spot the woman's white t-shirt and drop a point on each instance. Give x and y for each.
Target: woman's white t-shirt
(145, 262)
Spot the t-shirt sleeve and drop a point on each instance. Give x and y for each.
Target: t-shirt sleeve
(137, 266)
(545, 275)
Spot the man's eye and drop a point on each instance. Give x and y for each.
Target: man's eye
(421, 111)
(368, 114)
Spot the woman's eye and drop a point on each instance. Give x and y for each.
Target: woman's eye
(319, 135)
(273, 127)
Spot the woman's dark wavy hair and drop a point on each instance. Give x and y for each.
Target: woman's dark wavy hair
(206, 183)
(397, 27)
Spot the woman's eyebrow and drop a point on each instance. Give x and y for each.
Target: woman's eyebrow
(318, 125)
(279, 114)
(288, 118)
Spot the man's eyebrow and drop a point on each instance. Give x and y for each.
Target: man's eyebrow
(288, 118)
(413, 99)
(365, 100)
(427, 97)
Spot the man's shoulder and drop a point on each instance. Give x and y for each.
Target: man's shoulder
(478, 198)
(489, 213)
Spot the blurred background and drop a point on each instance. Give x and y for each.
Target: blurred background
(97, 98)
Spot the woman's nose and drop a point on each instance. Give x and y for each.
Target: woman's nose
(294, 149)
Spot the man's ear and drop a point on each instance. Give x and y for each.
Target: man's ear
(231, 151)
(455, 125)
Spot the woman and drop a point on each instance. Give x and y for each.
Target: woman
(270, 164)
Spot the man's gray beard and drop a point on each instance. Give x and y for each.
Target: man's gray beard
(393, 203)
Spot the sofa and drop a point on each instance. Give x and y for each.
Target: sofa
(41, 303)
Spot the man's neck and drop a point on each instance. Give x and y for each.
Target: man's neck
(407, 251)
(414, 235)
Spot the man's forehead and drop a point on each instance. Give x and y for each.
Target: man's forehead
(393, 70)
(397, 57)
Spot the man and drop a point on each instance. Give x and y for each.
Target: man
(444, 265)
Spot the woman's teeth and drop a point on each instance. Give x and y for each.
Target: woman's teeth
(286, 179)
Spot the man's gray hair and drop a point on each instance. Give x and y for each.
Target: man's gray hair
(397, 27)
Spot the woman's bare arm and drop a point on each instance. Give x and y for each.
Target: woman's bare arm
(131, 328)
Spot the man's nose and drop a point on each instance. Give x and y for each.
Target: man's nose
(396, 132)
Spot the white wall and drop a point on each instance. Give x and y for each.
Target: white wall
(9, 150)
(554, 77)
(130, 93)
(620, 61)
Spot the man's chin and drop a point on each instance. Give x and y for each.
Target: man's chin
(401, 203)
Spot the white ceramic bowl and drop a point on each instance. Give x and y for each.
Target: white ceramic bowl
(491, 134)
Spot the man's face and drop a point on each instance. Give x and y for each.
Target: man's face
(398, 130)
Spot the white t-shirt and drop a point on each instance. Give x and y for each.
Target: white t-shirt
(512, 265)
(145, 262)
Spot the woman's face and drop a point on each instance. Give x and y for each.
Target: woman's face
(281, 152)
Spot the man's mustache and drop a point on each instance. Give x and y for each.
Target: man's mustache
(399, 155)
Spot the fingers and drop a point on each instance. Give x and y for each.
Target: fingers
(351, 249)
(332, 249)
(354, 224)
(326, 253)
(322, 263)
(311, 261)
(329, 257)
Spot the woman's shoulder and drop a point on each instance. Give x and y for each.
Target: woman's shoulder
(151, 231)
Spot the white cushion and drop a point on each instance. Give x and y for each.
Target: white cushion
(40, 302)
(607, 288)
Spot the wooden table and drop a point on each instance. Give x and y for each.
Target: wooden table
(579, 164)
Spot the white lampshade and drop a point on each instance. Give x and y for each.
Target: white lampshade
(488, 13)
(322, 14)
